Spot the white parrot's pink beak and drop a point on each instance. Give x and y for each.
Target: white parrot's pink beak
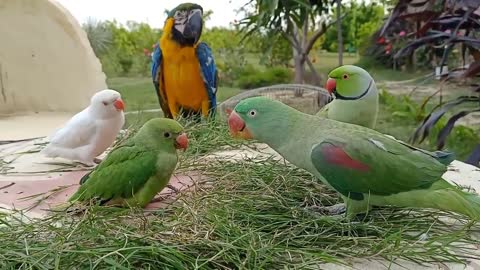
(119, 104)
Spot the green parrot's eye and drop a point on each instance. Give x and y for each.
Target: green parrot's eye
(252, 113)
(345, 76)
(167, 135)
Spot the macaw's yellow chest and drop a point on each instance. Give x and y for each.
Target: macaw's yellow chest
(183, 82)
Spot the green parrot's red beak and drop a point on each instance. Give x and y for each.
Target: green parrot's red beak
(238, 128)
(181, 142)
(331, 85)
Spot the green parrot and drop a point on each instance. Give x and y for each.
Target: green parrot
(356, 97)
(140, 167)
(366, 167)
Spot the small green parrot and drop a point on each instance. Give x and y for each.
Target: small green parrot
(356, 97)
(135, 171)
(366, 167)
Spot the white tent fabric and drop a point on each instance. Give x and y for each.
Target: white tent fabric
(46, 61)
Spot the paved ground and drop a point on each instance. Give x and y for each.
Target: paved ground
(31, 125)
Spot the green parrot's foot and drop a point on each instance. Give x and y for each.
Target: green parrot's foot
(68, 208)
(332, 210)
(175, 190)
(157, 199)
(97, 160)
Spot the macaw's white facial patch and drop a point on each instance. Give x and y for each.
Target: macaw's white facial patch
(193, 11)
(181, 18)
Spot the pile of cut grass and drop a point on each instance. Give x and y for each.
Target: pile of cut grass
(252, 215)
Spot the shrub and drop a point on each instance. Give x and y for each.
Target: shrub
(230, 63)
(252, 78)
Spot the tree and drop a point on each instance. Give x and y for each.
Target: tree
(292, 20)
(360, 20)
(339, 33)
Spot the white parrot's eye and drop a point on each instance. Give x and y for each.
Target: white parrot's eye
(252, 113)
(167, 135)
(105, 103)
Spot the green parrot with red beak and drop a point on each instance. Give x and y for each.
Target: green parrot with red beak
(356, 97)
(366, 167)
(135, 171)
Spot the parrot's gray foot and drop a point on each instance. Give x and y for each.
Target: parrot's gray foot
(332, 210)
(86, 164)
(97, 160)
(176, 190)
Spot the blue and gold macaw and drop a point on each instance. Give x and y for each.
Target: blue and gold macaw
(183, 70)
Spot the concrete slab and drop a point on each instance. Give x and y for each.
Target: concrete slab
(31, 125)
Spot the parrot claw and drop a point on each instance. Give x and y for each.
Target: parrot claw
(332, 210)
(97, 160)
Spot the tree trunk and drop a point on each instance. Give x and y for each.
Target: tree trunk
(299, 69)
(301, 47)
(299, 72)
(339, 33)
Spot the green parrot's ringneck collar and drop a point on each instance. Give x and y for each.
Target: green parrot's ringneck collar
(339, 96)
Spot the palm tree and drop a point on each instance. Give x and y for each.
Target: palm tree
(98, 34)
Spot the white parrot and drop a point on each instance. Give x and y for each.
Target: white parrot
(90, 132)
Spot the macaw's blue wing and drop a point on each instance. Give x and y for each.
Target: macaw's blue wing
(209, 73)
(157, 79)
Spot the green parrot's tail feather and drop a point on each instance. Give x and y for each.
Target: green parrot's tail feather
(442, 195)
(444, 157)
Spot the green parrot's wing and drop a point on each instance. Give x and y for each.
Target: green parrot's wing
(443, 157)
(123, 172)
(375, 165)
(323, 112)
(107, 161)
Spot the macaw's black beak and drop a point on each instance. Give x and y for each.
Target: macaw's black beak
(193, 27)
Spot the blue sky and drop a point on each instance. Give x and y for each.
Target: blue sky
(149, 11)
